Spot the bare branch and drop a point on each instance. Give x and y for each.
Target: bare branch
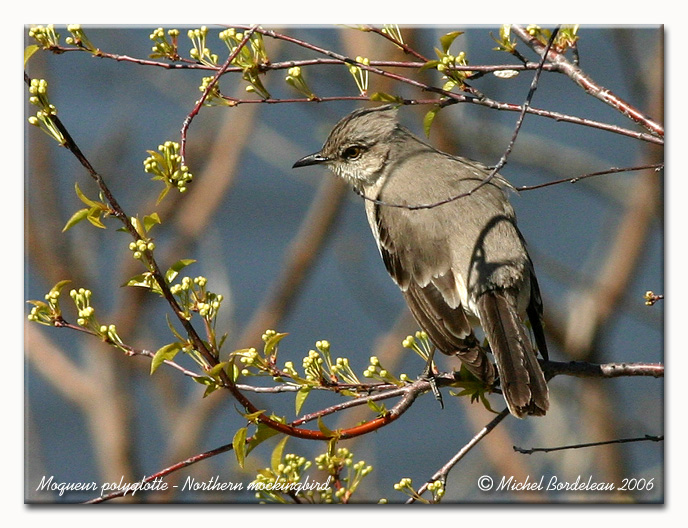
(646, 438)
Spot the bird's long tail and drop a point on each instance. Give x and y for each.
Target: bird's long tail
(521, 378)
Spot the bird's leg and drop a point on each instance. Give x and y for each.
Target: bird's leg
(429, 373)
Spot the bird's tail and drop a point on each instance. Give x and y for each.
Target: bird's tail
(521, 378)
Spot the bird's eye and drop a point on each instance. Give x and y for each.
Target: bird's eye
(353, 152)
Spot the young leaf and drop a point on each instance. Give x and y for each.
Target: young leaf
(28, 51)
(163, 193)
(175, 268)
(75, 219)
(210, 389)
(142, 280)
(146, 280)
(150, 220)
(253, 417)
(215, 371)
(272, 342)
(84, 198)
(428, 65)
(323, 428)
(173, 329)
(137, 225)
(387, 98)
(60, 285)
(263, 432)
(277, 453)
(379, 408)
(232, 370)
(301, 396)
(165, 353)
(446, 40)
(239, 445)
(93, 216)
(429, 118)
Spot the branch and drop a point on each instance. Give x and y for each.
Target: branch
(646, 438)
(156, 477)
(588, 84)
(575, 179)
(583, 369)
(442, 473)
(196, 109)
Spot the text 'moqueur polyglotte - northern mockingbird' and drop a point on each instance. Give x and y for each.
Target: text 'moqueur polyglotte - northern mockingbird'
(458, 264)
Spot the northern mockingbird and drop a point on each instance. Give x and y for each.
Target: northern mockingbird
(458, 264)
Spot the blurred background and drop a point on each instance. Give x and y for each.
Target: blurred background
(292, 251)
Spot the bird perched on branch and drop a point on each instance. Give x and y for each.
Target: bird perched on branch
(449, 240)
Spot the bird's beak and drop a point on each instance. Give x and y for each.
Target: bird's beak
(312, 159)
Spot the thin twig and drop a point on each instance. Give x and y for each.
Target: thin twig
(157, 477)
(199, 104)
(646, 438)
(442, 473)
(612, 170)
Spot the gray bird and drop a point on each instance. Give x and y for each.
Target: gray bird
(458, 264)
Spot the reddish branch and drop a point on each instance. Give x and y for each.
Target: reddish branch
(375, 67)
(583, 80)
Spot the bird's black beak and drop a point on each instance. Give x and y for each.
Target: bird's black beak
(312, 159)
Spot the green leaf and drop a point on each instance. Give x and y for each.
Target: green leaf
(233, 371)
(429, 65)
(84, 198)
(486, 403)
(210, 384)
(163, 193)
(379, 408)
(150, 220)
(172, 328)
(215, 371)
(429, 118)
(75, 219)
(28, 51)
(204, 380)
(137, 225)
(272, 342)
(175, 268)
(93, 216)
(222, 341)
(253, 417)
(239, 445)
(323, 428)
(157, 156)
(387, 98)
(165, 353)
(210, 389)
(446, 40)
(58, 287)
(301, 396)
(145, 280)
(277, 454)
(263, 432)
(449, 85)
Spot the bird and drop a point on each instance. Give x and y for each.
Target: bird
(461, 263)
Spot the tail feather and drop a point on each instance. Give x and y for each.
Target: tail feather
(521, 378)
